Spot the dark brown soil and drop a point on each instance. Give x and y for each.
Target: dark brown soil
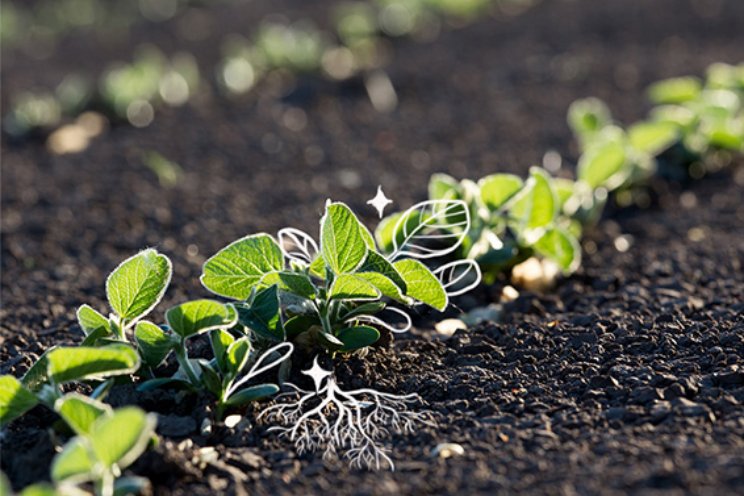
(628, 378)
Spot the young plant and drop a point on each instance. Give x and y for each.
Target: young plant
(224, 375)
(58, 366)
(512, 219)
(107, 441)
(291, 289)
(133, 289)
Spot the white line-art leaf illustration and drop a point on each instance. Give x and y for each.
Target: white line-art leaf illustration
(430, 229)
(258, 368)
(371, 319)
(459, 277)
(297, 245)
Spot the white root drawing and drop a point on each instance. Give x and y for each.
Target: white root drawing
(351, 422)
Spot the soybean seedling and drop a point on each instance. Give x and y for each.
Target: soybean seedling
(59, 366)
(291, 289)
(224, 375)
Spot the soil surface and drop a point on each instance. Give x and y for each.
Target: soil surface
(627, 378)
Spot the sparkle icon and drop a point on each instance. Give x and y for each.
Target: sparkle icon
(380, 201)
(317, 373)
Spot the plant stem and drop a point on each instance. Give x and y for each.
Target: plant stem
(183, 361)
(106, 485)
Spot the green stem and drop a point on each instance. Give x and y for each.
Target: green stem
(183, 361)
(106, 484)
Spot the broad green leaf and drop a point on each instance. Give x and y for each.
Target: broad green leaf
(199, 316)
(176, 382)
(74, 463)
(652, 137)
(369, 239)
(330, 341)
(444, 187)
(262, 314)
(237, 355)
(384, 285)
(358, 337)
(15, 400)
(68, 364)
(292, 282)
(377, 263)
(342, 242)
(602, 164)
(138, 284)
(352, 287)
(80, 412)
(91, 321)
(421, 284)
(221, 341)
(675, 90)
(38, 375)
(237, 268)
(119, 439)
(561, 247)
(253, 393)
(153, 342)
(537, 205)
(497, 189)
(678, 115)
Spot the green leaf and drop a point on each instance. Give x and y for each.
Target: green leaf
(119, 439)
(253, 393)
(421, 284)
(384, 285)
(497, 189)
(74, 463)
(67, 364)
(342, 243)
(364, 309)
(353, 287)
(560, 246)
(221, 341)
(299, 324)
(91, 321)
(131, 485)
(675, 90)
(377, 263)
(444, 187)
(38, 375)
(98, 337)
(138, 284)
(237, 268)
(41, 489)
(588, 116)
(237, 355)
(652, 137)
(602, 164)
(330, 341)
(199, 316)
(291, 282)
(386, 230)
(537, 205)
(318, 267)
(15, 400)
(262, 315)
(358, 337)
(564, 189)
(210, 378)
(154, 344)
(80, 412)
